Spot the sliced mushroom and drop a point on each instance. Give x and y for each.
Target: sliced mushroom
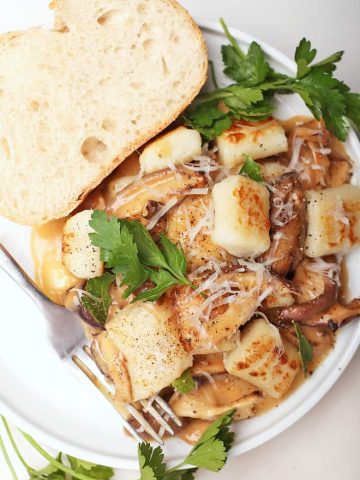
(336, 316)
(160, 186)
(341, 166)
(287, 216)
(340, 172)
(308, 155)
(308, 282)
(302, 312)
(210, 363)
(217, 396)
(112, 364)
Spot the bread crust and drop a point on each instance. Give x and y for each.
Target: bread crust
(78, 197)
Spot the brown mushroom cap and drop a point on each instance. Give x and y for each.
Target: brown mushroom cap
(304, 312)
(288, 207)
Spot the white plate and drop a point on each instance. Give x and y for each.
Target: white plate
(43, 396)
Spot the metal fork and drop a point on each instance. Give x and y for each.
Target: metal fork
(66, 334)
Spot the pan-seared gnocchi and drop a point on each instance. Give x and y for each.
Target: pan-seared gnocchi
(263, 359)
(333, 220)
(80, 256)
(258, 140)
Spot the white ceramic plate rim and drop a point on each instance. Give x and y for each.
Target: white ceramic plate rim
(240, 445)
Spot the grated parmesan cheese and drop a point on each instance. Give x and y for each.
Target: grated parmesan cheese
(197, 191)
(163, 210)
(339, 213)
(208, 377)
(319, 265)
(294, 161)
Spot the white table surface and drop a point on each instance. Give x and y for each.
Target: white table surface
(326, 442)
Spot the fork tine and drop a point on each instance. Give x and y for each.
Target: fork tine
(156, 415)
(143, 422)
(107, 394)
(168, 410)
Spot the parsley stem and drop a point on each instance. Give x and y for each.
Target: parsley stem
(231, 38)
(53, 461)
(15, 447)
(7, 459)
(212, 74)
(174, 469)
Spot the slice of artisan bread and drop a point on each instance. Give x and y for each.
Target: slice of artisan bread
(75, 101)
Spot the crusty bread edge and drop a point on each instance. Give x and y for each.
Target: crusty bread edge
(76, 200)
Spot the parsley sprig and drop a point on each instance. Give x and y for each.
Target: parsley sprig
(251, 169)
(98, 300)
(209, 453)
(56, 468)
(128, 249)
(256, 83)
(305, 348)
(185, 383)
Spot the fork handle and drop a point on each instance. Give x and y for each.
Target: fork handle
(10, 266)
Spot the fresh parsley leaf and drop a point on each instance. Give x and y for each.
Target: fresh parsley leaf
(215, 113)
(210, 452)
(97, 472)
(185, 383)
(208, 119)
(322, 94)
(100, 300)
(149, 253)
(329, 62)
(163, 280)
(256, 83)
(118, 250)
(304, 55)
(249, 70)
(50, 472)
(172, 259)
(352, 102)
(251, 169)
(151, 462)
(128, 249)
(184, 474)
(174, 255)
(305, 348)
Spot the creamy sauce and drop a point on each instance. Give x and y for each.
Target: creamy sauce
(344, 282)
(192, 430)
(51, 276)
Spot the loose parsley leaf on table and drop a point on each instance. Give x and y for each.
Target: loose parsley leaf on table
(305, 348)
(250, 98)
(210, 453)
(151, 462)
(251, 169)
(185, 383)
(97, 472)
